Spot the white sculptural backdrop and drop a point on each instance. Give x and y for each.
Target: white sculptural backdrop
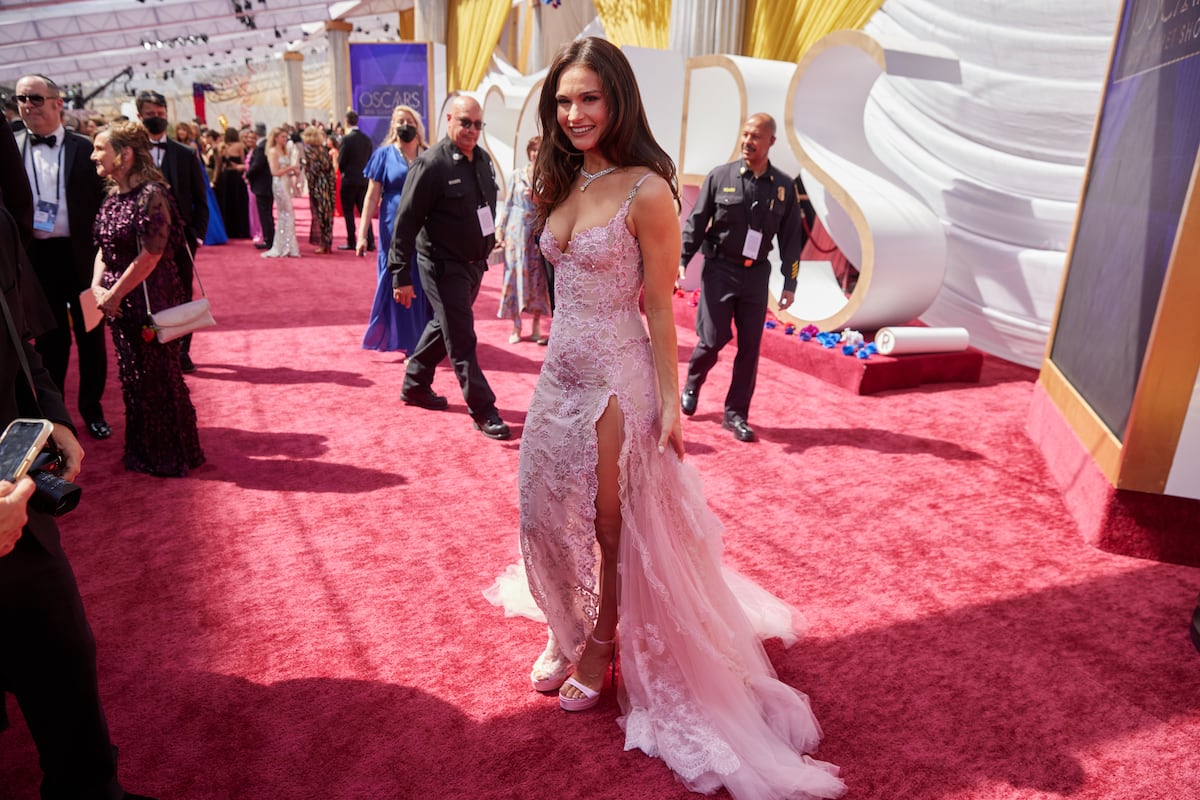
(884, 229)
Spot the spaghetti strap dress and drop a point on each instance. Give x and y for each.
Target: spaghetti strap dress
(695, 686)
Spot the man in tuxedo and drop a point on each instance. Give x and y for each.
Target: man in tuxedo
(47, 651)
(353, 156)
(67, 194)
(180, 166)
(258, 175)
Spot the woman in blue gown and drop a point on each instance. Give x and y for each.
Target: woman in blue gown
(392, 326)
(216, 226)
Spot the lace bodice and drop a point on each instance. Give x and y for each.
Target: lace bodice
(600, 275)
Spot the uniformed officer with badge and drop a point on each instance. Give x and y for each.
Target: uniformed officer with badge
(742, 206)
(447, 214)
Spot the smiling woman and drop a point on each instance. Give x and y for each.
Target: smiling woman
(604, 490)
(139, 230)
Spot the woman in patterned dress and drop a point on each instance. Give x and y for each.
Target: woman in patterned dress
(321, 179)
(138, 231)
(525, 289)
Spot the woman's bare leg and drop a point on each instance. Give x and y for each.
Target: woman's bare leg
(590, 670)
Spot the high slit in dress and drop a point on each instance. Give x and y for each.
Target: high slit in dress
(695, 686)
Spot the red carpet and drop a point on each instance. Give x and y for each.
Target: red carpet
(302, 617)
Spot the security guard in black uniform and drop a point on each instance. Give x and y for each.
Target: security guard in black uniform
(741, 207)
(447, 212)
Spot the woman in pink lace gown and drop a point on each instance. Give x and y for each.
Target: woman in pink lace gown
(604, 490)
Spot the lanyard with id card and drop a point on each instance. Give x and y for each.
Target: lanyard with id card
(753, 244)
(487, 225)
(44, 216)
(45, 213)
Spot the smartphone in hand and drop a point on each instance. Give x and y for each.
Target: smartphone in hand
(23, 439)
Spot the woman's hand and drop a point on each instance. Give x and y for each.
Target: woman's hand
(70, 450)
(109, 303)
(360, 244)
(403, 295)
(13, 516)
(672, 432)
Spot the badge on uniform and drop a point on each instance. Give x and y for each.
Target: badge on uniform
(782, 194)
(487, 224)
(729, 189)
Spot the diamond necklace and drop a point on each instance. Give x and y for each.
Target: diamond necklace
(588, 177)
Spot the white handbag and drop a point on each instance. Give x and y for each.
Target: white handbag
(171, 323)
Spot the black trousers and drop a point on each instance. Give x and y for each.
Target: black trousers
(730, 295)
(54, 262)
(451, 287)
(353, 196)
(266, 215)
(48, 662)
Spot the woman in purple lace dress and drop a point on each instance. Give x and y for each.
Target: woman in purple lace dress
(138, 231)
(604, 490)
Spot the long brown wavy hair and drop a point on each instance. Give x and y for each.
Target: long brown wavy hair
(131, 134)
(626, 142)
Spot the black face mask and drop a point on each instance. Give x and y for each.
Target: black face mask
(156, 126)
(406, 133)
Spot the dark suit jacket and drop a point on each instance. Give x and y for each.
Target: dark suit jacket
(258, 171)
(85, 192)
(15, 193)
(19, 287)
(353, 156)
(181, 167)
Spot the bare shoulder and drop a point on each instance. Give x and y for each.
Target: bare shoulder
(653, 195)
(653, 211)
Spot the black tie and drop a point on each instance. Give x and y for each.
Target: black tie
(46, 140)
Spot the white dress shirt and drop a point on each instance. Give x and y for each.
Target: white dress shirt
(46, 170)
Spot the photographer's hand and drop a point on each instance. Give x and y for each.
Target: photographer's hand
(70, 449)
(12, 512)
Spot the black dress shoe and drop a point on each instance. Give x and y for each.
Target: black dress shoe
(185, 364)
(262, 246)
(741, 429)
(345, 247)
(99, 429)
(688, 401)
(493, 427)
(425, 398)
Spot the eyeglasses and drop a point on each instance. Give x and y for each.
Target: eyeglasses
(477, 124)
(35, 100)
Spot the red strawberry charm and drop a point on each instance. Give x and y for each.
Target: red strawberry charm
(147, 333)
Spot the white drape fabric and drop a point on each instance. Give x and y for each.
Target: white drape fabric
(1001, 157)
(707, 27)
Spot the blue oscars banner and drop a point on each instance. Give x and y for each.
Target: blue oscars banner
(383, 76)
